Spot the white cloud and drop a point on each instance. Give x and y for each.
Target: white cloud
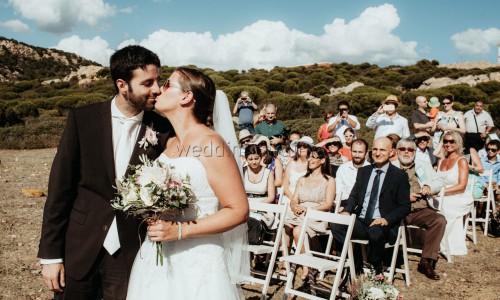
(15, 25)
(59, 16)
(95, 49)
(265, 44)
(476, 41)
(127, 10)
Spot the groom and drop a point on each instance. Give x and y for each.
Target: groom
(86, 248)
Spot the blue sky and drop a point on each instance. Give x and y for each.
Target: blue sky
(224, 34)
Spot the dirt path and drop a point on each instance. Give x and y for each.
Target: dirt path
(475, 276)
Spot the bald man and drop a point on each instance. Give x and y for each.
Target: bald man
(419, 118)
(381, 199)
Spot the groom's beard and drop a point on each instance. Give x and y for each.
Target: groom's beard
(139, 102)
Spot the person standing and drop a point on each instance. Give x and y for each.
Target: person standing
(420, 118)
(87, 248)
(446, 120)
(343, 120)
(244, 108)
(478, 123)
(381, 199)
(386, 120)
(275, 130)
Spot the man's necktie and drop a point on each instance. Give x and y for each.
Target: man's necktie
(373, 197)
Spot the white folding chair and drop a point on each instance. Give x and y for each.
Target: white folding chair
(400, 242)
(321, 261)
(338, 199)
(489, 201)
(269, 247)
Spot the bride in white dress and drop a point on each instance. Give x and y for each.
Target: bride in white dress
(202, 256)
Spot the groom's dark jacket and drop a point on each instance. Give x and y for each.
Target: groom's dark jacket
(394, 197)
(78, 213)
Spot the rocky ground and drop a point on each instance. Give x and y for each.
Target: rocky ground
(475, 276)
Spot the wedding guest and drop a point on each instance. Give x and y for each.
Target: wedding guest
(244, 108)
(420, 118)
(423, 151)
(333, 146)
(394, 142)
(286, 153)
(478, 124)
(272, 128)
(434, 105)
(297, 167)
(448, 119)
(268, 159)
(386, 120)
(349, 138)
(316, 190)
(323, 132)
(454, 170)
(343, 120)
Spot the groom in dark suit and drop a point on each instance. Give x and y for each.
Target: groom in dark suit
(381, 199)
(86, 248)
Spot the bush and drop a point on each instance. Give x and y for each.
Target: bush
(8, 116)
(42, 133)
(319, 91)
(26, 109)
(489, 87)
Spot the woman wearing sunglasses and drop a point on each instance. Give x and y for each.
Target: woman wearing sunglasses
(454, 170)
(447, 119)
(349, 138)
(333, 146)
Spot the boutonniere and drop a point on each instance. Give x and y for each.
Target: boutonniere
(149, 138)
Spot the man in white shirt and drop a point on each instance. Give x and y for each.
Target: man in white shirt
(478, 124)
(346, 174)
(386, 120)
(343, 120)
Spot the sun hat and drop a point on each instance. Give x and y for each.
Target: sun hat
(305, 139)
(258, 138)
(434, 102)
(391, 99)
(244, 133)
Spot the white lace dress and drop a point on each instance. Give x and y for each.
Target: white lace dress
(193, 268)
(454, 208)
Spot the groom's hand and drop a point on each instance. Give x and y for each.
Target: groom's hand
(53, 275)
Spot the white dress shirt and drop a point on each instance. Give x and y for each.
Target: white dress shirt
(346, 178)
(342, 125)
(422, 155)
(386, 126)
(376, 212)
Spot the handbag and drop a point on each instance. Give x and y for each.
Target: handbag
(258, 232)
(494, 226)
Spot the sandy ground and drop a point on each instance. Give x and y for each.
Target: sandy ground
(475, 276)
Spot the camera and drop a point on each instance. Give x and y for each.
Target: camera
(342, 110)
(244, 98)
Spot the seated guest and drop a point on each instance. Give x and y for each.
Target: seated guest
(333, 146)
(381, 199)
(454, 170)
(244, 138)
(268, 160)
(346, 173)
(394, 142)
(349, 138)
(316, 190)
(424, 183)
(297, 167)
(491, 162)
(286, 153)
(423, 151)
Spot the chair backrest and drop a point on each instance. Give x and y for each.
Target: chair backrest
(280, 192)
(268, 207)
(338, 198)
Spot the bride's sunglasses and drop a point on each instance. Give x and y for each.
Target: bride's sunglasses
(168, 84)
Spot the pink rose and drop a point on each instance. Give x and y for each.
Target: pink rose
(151, 136)
(174, 183)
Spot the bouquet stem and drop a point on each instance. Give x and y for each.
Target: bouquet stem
(159, 253)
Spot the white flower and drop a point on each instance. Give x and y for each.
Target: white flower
(129, 196)
(375, 293)
(154, 175)
(145, 194)
(149, 138)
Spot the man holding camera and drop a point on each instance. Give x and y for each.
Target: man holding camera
(244, 108)
(386, 120)
(424, 183)
(339, 123)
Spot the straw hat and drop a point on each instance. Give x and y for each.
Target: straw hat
(305, 139)
(434, 102)
(262, 138)
(244, 133)
(391, 99)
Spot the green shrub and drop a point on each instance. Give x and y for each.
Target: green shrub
(26, 109)
(8, 116)
(35, 134)
(489, 87)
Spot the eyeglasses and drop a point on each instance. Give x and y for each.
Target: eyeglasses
(335, 143)
(491, 149)
(168, 84)
(422, 140)
(446, 103)
(448, 142)
(246, 141)
(302, 146)
(403, 149)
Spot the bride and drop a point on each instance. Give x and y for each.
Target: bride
(202, 249)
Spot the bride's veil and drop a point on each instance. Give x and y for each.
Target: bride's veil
(236, 239)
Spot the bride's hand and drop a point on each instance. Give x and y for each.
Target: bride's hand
(160, 231)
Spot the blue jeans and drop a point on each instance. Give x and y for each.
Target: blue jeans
(247, 126)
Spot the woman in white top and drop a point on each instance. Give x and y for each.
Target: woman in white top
(297, 167)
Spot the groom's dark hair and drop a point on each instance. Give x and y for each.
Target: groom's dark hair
(124, 61)
(203, 89)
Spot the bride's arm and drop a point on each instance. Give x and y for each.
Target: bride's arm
(225, 180)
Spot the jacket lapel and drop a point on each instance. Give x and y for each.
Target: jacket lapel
(107, 136)
(386, 183)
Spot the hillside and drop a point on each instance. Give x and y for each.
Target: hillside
(40, 85)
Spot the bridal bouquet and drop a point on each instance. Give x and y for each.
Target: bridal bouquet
(373, 287)
(152, 191)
